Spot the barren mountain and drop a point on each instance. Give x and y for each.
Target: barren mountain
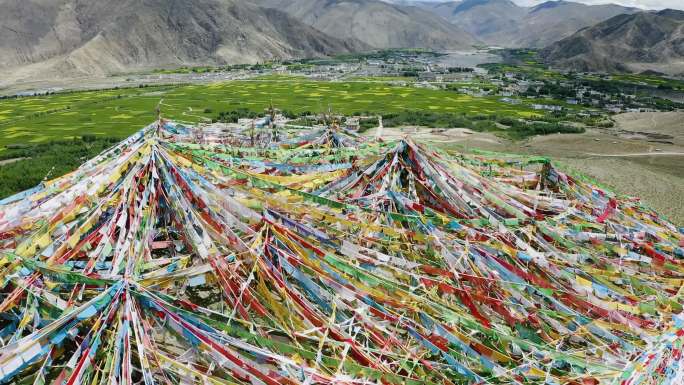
(503, 23)
(96, 37)
(414, 3)
(638, 42)
(489, 20)
(551, 21)
(376, 23)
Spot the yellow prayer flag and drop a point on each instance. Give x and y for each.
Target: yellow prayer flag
(73, 240)
(43, 240)
(583, 282)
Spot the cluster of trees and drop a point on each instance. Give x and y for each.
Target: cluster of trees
(553, 89)
(458, 86)
(294, 115)
(617, 91)
(631, 93)
(233, 115)
(367, 119)
(67, 92)
(460, 69)
(514, 127)
(387, 54)
(527, 129)
(50, 159)
(411, 72)
(662, 104)
(299, 66)
(16, 96)
(208, 69)
(368, 123)
(436, 120)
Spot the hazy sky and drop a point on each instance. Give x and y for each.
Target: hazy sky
(647, 4)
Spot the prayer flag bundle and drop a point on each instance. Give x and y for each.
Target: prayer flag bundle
(324, 258)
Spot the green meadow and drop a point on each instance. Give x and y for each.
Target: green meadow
(120, 112)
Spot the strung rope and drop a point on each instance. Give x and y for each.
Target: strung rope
(182, 256)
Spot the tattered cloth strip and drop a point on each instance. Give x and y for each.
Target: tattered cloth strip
(663, 363)
(176, 258)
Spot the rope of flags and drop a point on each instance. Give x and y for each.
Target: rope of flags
(187, 256)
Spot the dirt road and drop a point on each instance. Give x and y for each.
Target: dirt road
(629, 155)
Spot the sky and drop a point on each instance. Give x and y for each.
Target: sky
(645, 4)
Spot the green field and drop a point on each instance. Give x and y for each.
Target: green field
(651, 80)
(121, 112)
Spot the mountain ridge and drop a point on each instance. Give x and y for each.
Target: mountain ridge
(506, 24)
(97, 37)
(377, 23)
(639, 42)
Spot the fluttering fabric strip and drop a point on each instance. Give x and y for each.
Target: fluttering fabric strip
(317, 257)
